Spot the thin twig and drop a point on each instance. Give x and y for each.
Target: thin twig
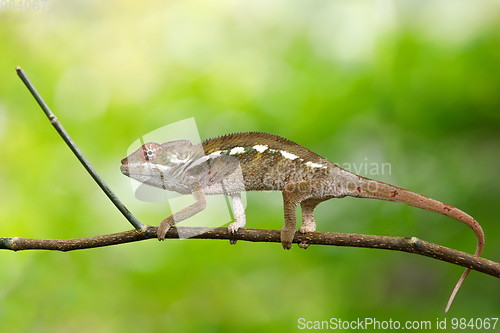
(411, 245)
(86, 164)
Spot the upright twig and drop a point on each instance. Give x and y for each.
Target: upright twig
(86, 164)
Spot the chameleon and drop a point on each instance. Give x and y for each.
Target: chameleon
(231, 164)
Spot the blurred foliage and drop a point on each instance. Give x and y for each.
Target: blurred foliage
(410, 83)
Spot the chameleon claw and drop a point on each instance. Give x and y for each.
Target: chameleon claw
(232, 228)
(232, 241)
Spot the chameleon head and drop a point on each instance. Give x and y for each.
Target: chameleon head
(162, 165)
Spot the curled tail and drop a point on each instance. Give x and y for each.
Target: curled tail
(378, 190)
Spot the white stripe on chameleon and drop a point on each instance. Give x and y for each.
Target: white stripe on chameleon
(215, 153)
(237, 150)
(288, 155)
(260, 148)
(202, 159)
(315, 165)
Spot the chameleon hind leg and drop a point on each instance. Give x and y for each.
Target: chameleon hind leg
(309, 193)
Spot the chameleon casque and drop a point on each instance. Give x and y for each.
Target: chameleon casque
(231, 164)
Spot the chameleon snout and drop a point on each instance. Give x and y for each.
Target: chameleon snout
(124, 166)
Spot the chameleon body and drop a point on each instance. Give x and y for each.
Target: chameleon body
(231, 164)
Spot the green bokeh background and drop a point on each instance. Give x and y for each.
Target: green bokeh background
(410, 83)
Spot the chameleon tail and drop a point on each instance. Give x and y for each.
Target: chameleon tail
(378, 190)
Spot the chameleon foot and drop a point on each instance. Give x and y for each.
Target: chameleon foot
(287, 238)
(304, 245)
(233, 227)
(239, 223)
(304, 229)
(164, 227)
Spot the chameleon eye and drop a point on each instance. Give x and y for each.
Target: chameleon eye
(149, 151)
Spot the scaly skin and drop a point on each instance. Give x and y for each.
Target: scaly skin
(231, 164)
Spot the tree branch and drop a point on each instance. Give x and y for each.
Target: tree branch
(403, 244)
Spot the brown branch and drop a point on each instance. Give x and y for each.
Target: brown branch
(411, 245)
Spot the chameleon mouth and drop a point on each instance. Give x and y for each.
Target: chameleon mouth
(124, 167)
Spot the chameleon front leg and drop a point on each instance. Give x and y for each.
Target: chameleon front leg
(239, 215)
(185, 213)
